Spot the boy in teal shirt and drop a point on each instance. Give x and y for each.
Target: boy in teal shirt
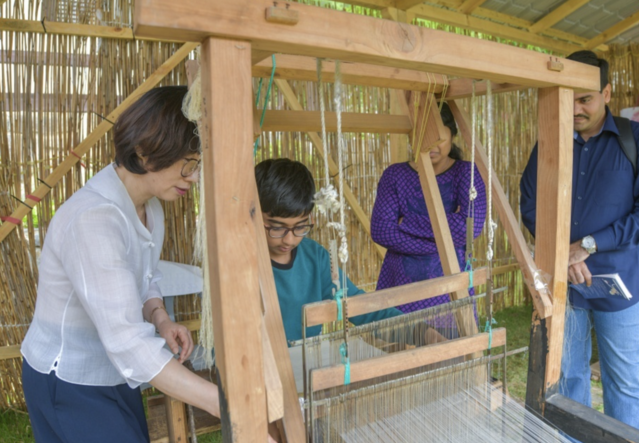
(301, 266)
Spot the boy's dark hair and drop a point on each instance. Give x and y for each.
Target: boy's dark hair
(286, 188)
(590, 58)
(154, 127)
(449, 121)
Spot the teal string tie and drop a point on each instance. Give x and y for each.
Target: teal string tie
(489, 328)
(469, 269)
(339, 296)
(268, 94)
(347, 364)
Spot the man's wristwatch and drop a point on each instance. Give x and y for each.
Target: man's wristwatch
(589, 244)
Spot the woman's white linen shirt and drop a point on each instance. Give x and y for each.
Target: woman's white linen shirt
(97, 269)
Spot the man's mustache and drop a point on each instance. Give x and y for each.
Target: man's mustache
(582, 116)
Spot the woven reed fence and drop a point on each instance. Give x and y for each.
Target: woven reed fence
(54, 91)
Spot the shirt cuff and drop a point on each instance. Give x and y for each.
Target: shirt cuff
(605, 240)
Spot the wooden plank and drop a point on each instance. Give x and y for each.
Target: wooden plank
(398, 143)
(105, 125)
(76, 29)
(541, 298)
(362, 217)
(333, 376)
(231, 238)
(491, 28)
(326, 311)
(559, 13)
(157, 423)
(295, 67)
(552, 237)
(468, 6)
(310, 121)
(448, 256)
(325, 33)
(7, 352)
(613, 31)
(292, 423)
(404, 5)
(586, 424)
(176, 420)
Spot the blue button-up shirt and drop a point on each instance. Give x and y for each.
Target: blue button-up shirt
(605, 204)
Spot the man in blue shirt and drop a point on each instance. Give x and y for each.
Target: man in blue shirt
(604, 239)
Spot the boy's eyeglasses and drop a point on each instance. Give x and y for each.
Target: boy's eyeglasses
(281, 232)
(191, 166)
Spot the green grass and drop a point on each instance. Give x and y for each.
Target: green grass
(15, 427)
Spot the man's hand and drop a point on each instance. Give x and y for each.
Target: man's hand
(577, 254)
(579, 273)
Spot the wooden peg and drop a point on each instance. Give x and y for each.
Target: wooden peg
(555, 65)
(282, 16)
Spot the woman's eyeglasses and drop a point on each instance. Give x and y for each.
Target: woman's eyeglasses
(281, 232)
(191, 166)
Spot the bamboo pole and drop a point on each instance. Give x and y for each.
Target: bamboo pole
(81, 149)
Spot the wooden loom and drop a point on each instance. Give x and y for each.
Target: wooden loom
(233, 35)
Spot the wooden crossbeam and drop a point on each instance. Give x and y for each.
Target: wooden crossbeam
(404, 5)
(333, 376)
(321, 32)
(613, 31)
(326, 311)
(310, 121)
(362, 217)
(541, 298)
(295, 67)
(104, 126)
(562, 11)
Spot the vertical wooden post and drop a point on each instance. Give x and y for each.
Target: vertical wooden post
(398, 142)
(227, 160)
(176, 420)
(552, 238)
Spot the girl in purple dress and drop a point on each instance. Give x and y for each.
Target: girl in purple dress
(400, 219)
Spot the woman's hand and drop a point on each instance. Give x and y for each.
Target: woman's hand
(176, 336)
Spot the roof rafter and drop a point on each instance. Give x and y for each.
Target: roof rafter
(470, 5)
(613, 31)
(558, 14)
(407, 4)
(503, 31)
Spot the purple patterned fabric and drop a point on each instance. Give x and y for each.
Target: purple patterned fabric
(401, 224)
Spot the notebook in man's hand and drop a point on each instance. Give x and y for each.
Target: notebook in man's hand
(603, 286)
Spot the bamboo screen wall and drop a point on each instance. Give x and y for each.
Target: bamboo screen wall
(54, 90)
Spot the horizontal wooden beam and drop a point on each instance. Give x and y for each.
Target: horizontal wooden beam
(7, 352)
(325, 33)
(562, 11)
(613, 31)
(310, 121)
(586, 424)
(333, 376)
(326, 311)
(294, 67)
(74, 29)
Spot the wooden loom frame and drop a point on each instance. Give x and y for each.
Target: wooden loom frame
(231, 32)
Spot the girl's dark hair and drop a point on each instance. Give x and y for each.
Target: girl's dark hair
(155, 128)
(286, 188)
(449, 121)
